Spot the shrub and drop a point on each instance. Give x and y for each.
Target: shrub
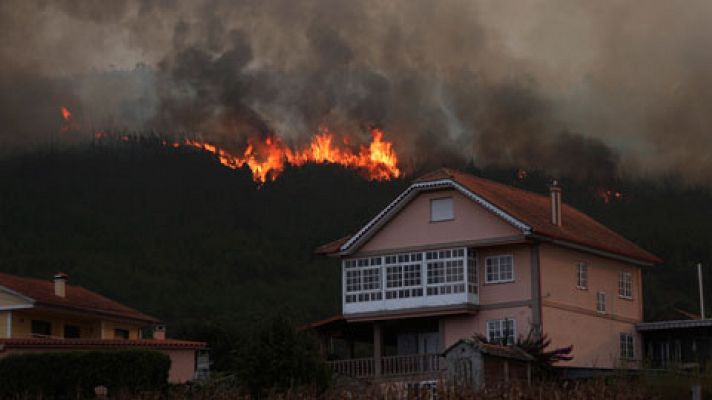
(76, 373)
(279, 356)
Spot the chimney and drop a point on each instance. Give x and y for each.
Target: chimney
(555, 194)
(159, 332)
(60, 284)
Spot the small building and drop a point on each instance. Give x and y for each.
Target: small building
(677, 344)
(473, 363)
(50, 315)
(456, 255)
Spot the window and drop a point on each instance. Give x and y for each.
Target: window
(445, 271)
(501, 331)
(411, 275)
(601, 302)
(627, 348)
(441, 209)
(362, 279)
(436, 272)
(403, 276)
(582, 275)
(371, 278)
(394, 277)
(121, 333)
(625, 285)
(499, 269)
(407, 275)
(41, 328)
(71, 332)
(353, 281)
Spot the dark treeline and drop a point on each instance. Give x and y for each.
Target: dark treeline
(175, 234)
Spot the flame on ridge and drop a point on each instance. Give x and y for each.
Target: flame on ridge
(66, 114)
(267, 159)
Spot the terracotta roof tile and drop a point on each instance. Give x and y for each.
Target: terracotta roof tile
(76, 298)
(535, 210)
(332, 247)
(492, 349)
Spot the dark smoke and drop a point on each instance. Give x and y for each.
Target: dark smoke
(575, 89)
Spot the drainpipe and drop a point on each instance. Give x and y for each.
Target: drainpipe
(702, 293)
(536, 289)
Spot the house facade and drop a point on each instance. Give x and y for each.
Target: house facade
(50, 315)
(455, 255)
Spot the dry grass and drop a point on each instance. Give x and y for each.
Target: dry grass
(658, 387)
(581, 390)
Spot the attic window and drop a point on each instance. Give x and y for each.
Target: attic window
(441, 209)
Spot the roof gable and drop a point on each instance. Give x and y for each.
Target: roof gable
(9, 299)
(363, 235)
(412, 227)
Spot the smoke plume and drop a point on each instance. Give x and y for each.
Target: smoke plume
(577, 88)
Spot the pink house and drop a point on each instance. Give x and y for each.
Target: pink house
(456, 255)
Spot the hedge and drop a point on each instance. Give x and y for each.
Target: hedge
(76, 373)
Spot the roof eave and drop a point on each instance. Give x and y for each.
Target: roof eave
(145, 318)
(596, 251)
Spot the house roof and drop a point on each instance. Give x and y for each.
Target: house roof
(673, 324)
(100, 343)
(77, 298)
(494, 350)
(532, 212)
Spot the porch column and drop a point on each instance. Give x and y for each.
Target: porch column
(377, 347)
(536, 290)
(324, 341)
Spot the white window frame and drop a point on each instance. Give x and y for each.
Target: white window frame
(601, 306)
(582, 275)
(442, 209)
(442, 267)
(498, 278)
(404, 276)
(627, 346)
(367, 281)
(625, 285)
(500, 329)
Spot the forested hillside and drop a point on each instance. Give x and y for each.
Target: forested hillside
(177, 235)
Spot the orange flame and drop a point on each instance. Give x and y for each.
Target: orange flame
(608, 195)
(522, 174)
(66, 114)
(267, 159)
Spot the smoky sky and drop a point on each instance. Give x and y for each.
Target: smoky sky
(599, 89)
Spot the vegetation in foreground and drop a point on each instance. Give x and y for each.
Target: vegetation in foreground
(667, 386)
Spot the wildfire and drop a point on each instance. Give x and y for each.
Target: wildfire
(522, 174)
(608, 195)
(66, 114)
(268, 158)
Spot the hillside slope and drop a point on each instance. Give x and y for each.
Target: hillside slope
(173, 233)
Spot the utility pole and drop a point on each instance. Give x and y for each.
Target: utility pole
(702, 294)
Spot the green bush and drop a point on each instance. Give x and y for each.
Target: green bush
(279, 356)
(76, 374)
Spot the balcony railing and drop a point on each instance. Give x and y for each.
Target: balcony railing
(411, 364)
(356, 368)
(414, 364)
